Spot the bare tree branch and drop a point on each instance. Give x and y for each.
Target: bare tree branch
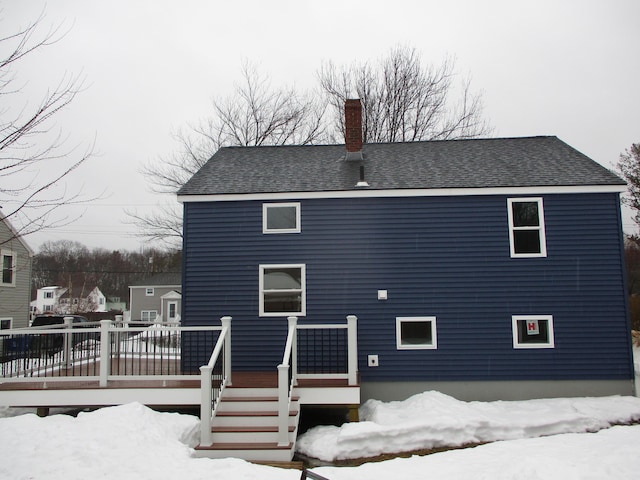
(403, 101)
(34, 160)
(256, 114)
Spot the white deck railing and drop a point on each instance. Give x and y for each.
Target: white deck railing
(214, 377)
(103, 351)
(288, 374)
(285, 384)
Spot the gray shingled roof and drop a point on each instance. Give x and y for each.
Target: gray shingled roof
(160, 279)
(476, 163)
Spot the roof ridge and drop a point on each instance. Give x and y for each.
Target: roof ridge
(439, 140)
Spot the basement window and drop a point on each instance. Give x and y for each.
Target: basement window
(416, 333)
(282, 290)
(526, 227)
(532, 331)
(280, 218)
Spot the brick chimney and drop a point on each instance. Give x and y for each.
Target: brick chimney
(353, 125)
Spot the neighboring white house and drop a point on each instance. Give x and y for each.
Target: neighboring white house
(48, 299)
(56, 299)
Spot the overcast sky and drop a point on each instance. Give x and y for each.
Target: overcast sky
(569, 68)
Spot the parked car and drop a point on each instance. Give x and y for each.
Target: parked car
(52, 343)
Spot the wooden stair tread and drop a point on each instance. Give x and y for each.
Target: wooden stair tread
(254, 413)
(254, 399)
(249, 399)
(245, 446)
(256, 429)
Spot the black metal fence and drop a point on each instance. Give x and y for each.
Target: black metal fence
(322, 350)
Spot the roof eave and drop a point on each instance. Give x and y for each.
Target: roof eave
(407, 192)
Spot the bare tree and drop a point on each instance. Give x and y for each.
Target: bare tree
(255, 114)
(629, 168)
(404, 100)
(33, 157)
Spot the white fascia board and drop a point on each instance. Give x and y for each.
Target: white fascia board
(436, 192)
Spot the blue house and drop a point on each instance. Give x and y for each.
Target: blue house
(483, 268)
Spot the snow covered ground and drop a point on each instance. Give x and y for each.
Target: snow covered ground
(134, 442)
(432, 420)
(547, 439)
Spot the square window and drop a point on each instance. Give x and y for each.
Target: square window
(282, 290)
(416, 333)
(48, 294)
(5, 323)
(149, 292)
(526, 227)
(148, 315)
(8, 260)
(532, 331)
(280, 218)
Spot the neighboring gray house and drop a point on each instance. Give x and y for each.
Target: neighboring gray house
(156, 298)
(15, 280)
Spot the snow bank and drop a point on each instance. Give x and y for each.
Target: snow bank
(606, 455)
(432, 419)
(128, 442)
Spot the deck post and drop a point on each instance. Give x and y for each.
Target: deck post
(119, 323)
(352, 342)
(226, 322)
(206, 408)
(68, 341)
(105, 352)
(293, 323)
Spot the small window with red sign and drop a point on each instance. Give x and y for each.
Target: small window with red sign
(532, 331)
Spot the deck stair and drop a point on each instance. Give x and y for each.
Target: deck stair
(246, 426)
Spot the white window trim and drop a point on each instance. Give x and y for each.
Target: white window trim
(149, 291)
(4, 319)
(434, 333)
(541, 228)
(303, 293)
(514, 329)
(148, 311)
(266, 206)
(14, 263)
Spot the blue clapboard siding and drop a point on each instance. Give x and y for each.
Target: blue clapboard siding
(446, 257)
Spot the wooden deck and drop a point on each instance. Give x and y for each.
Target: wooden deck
(63, 390)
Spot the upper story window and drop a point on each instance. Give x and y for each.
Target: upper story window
(6, 323)
(49, 295)
(526, 227)
(282, 290)
(149, 292)
(8, 260)
(532, 331)
(280, 218)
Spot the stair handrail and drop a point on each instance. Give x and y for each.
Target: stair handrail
(208, 397)
(285, 384)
